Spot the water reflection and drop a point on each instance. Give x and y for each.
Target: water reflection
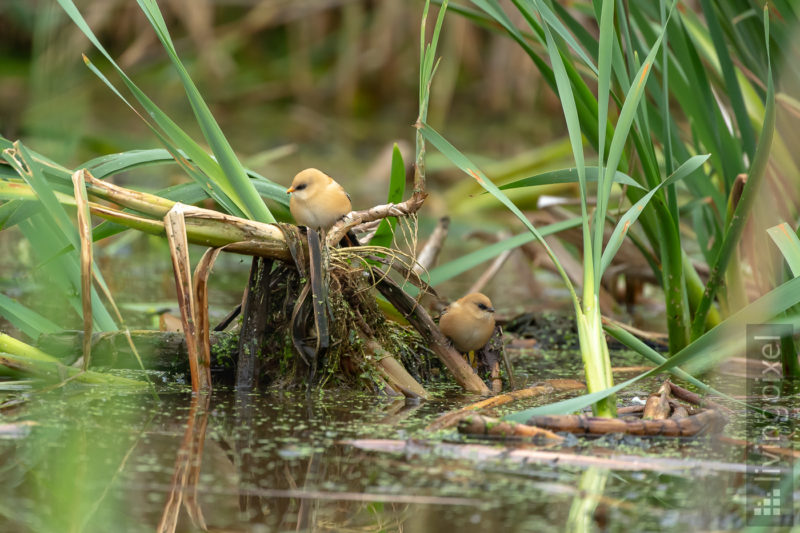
(582, 513)
(274, 462)
(187, 469)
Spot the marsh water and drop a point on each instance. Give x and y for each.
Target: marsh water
(79, 459)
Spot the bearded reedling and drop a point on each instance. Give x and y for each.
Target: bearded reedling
(317, 200)
(468, 322)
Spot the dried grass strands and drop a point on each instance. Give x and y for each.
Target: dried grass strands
(354, 218)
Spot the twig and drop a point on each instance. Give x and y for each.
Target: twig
(474, 424)
(763, 448)
(548, 387)
(709, 420)
(696, 399)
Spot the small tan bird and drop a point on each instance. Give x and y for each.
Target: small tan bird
(469, 322)
(317, 200)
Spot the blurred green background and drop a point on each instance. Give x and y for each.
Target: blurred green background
(328, 83)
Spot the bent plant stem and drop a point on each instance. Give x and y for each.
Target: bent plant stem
(175, 225)
(203, 226)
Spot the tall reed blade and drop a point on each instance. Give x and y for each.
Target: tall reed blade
(755, 176)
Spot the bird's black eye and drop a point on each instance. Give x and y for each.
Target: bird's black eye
(482, 307)
(300, 187)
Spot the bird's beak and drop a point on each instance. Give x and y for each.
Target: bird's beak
(490, 309)
(290, 190)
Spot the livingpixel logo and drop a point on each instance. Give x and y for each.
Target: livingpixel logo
(769, 482)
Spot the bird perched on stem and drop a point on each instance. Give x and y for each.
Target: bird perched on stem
(469, 322)
(317, 200)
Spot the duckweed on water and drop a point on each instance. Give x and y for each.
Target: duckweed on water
(276, 446)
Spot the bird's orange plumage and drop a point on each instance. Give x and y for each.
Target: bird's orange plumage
(469, 322)
(317, 200)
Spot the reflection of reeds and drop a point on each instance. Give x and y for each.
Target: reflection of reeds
(187, 469)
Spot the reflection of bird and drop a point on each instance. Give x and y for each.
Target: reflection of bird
(317, 200)
(469, 322)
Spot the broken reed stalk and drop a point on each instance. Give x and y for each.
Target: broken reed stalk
(395, 374)
(696, 399)
(762, 448)
(85, 235)
(709, 420)
(149, 204)
(236, 235)
(478, 425)
(175, 226)
(200, 287)
(658, 406)
(203, 226)
(412, 449)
